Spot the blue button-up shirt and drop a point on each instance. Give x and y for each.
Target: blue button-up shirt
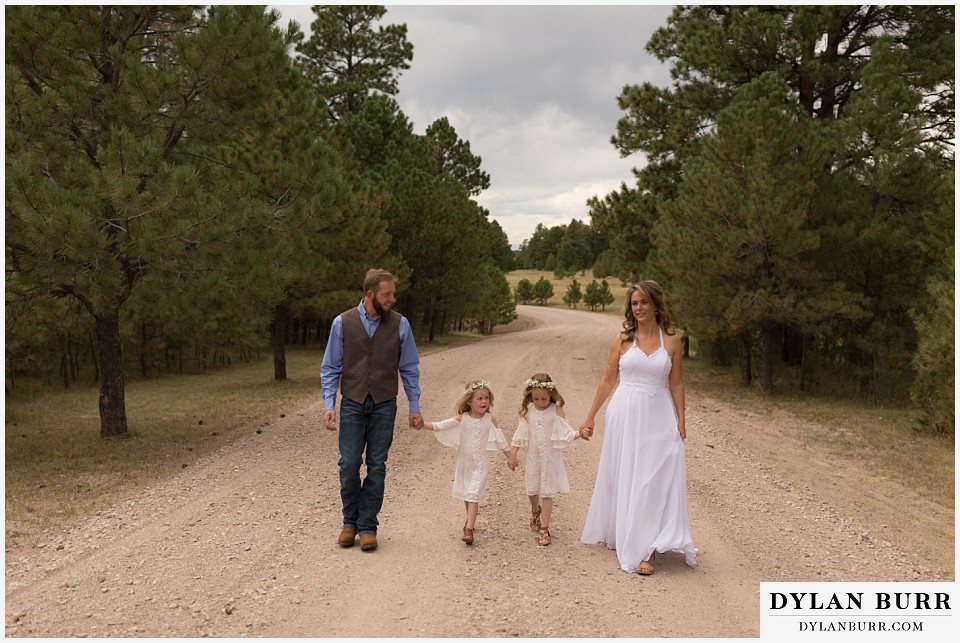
(332, 365)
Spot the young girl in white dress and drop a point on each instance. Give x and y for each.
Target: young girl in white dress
(475, 434)
(544, 429)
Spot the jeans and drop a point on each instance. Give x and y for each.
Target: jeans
(364, 427)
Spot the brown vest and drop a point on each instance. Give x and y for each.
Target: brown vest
(370, 364)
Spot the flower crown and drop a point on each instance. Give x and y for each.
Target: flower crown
(475, 386)
(550, 386)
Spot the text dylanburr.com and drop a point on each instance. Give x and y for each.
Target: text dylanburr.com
(858, 611)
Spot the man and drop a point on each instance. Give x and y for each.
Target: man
(368, 346)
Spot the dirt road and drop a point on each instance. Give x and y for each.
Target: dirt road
(243, 542)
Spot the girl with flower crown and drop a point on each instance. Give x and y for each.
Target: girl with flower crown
(475, 434)
(544, 429)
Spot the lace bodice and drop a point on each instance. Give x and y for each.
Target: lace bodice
(645, 373)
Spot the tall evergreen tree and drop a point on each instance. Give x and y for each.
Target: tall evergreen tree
(895, 144)
(492, 304)
(503, 255)
(312, 208)
(103, 196)
(454, 158)
(347, 59)
(744, 227)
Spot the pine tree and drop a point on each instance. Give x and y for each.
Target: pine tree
(524, 291)
(883, 75)
(112, 112)
(347, 60)
(744, 225)
(542, 291)
(454, 158)
(592, 296)
(573, 295)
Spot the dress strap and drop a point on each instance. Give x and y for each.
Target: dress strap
(661, 335)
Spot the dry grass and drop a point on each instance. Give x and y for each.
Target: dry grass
(57, 469)
(888, 439)
(560, 288)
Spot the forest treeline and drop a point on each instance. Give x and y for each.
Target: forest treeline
(185, 183)
(797, 200)
(190, 185)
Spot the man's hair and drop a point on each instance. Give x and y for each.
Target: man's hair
(374, 277)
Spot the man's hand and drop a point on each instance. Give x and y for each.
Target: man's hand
(330, 420)
(416, 421)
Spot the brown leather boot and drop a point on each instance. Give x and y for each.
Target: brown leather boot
(347, 536)
(368, 541)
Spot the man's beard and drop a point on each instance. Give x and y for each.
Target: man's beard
(380, 308)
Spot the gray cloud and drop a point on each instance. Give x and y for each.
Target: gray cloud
(533, 89)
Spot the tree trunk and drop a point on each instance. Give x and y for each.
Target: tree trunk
(65, 361)
(143, 349)
(433, 326)
(323, 330)
(113, 408)
(803, 362)
(746, 364)
(96, 358)
(280, 323)
(767, 346)
(74, 361)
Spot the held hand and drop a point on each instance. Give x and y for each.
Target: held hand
(584, 434)
(330, 420)
(586, 429)
(416, 421)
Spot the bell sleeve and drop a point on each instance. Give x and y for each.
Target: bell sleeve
(521, 437)
(447, 432)
(564, 434)
(495, 440)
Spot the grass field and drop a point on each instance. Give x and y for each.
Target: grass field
(58, 468)
(560, 288)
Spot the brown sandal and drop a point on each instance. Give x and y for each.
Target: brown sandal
(535, 520)
(467, 534)
(646, 567)
(544, 537)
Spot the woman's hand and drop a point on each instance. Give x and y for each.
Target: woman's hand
(586, 429)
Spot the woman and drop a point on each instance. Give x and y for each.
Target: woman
(639, 504)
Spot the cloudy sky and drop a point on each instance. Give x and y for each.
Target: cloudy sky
(533, 89)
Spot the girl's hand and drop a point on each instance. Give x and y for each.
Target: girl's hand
(586, 430)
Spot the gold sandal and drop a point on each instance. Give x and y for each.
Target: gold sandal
(467, 534)
(535, 520)
(544, 539)
(646, 567)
